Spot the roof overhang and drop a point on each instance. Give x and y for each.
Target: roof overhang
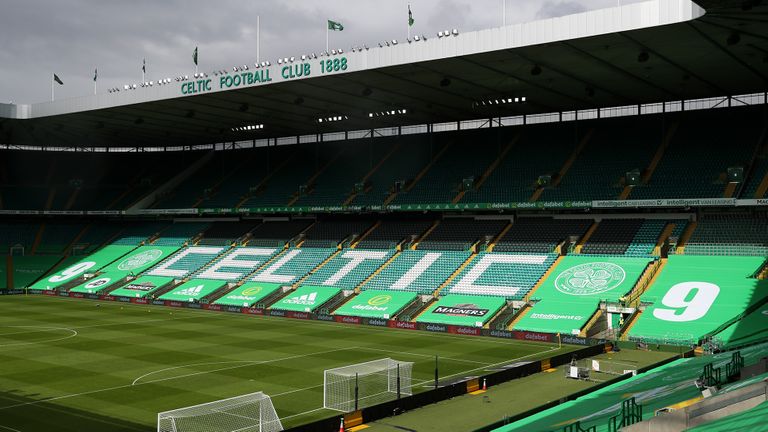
(638, 53)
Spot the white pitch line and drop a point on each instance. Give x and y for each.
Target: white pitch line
(425, 355)
(487, 366)
(303, 323)
(250, 362)
(73, 333)
(9, 428)
(165, 379)
(302, 413)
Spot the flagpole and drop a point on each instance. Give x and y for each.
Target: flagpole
(408, 23)
(327, 30)
(258, 38)
(504, 12)
(53, 95)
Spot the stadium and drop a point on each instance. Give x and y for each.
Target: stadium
(556, 225)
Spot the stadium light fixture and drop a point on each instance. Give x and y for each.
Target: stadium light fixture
(279, 61)
(394, 41)
(333, 51)
(366, 47)
(440, 34)
(380, 45)
(424, 38)
(303, 57)
(416, 38)
(446, 33)
(455, 32)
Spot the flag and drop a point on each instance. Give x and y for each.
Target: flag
(95, 74)
(57, 79)
(410, 17)
(194, 56)
(333, 25)
(144, 66)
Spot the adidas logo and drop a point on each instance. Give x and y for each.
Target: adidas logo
(306, 299)
(191, 291)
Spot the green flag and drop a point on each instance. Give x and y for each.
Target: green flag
(95, 74)
(57, 79)
(194, 56)
(333, 25)
(410, 17)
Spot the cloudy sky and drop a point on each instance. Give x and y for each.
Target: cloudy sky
(73, 37)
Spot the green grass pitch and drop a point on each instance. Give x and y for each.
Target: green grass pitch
(70, 365)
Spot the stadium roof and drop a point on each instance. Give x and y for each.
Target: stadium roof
(654, 51)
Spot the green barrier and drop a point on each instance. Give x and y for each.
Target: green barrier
(695, 295)
(90, 264)
(572, 293)
(142, 286)
(376, 304)
(140, 259)
(194, 289)
(248, 294)
(97, 284)
(27, 269)
(658, 388)
(750, 329)
(463, 310)
(306, 298)
(557, 317)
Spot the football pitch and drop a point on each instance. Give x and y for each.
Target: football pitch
(82, 365)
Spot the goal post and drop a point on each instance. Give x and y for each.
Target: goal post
(356, 386)
(247, 413)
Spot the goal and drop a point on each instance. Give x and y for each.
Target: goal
(247, 413)
(362, 385)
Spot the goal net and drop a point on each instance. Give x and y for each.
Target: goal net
(365, 384)
(247, 413)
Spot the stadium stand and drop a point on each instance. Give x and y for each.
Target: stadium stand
(293, 264)
(514, 179)
(418, 271)
(461, 233)
(695, 296)
(571, 294)
(330, 233)
(226, 233)
(349, 268)
(391, 233)
(663, 387)
(711, 141)
(510, 276)
(730, 234)
(442, 178)
(540, 235)
(598, 173)
(277, 232)
(613, 236)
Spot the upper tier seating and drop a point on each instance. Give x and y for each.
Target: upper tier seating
(540, 235)
(615, 147)
(730, 234)
(331, 232)
(277, 233)
(702, 149)
(461, 233)
(391, 232)
(613, 236)
(225, 233)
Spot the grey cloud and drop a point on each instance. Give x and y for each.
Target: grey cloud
(72, 37)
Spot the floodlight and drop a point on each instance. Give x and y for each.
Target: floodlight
(394, 41)
(439, 34)
(455, 32)
(416, 38)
